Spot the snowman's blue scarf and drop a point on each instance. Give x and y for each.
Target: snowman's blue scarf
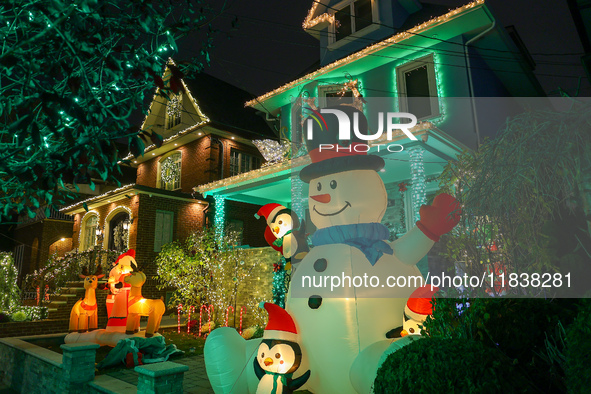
(367, 237)
(283, 378)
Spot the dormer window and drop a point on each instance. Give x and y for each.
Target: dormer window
(174, 109)
(351, 17)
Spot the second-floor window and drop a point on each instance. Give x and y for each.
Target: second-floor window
(170, 172)
(243, 162)
(417, 88)
(351, 17)
(330, 95)
(174, 109)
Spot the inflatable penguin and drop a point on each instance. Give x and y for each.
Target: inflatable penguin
(417, 309)
(283, 232)
(347, 200)
(278, 355)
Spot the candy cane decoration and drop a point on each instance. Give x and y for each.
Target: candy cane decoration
(228, 314)
(191, 309)
(178, 313)
(209, 310)
(242, 308)
(38, 292)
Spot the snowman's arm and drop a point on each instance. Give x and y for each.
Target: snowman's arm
(412, 247)
(258, 371)
(298, 382)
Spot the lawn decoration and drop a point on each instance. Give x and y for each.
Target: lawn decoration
(279, 354)
(117, 300)
(343, 332)
(418, 307)
(84, 316)
(140, 306)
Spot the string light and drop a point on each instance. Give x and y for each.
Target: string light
(364, 52)
(419, 187)
(273, 151)
(220, 216)
(170, 169)
(111, 214)
(310, 21)
(111, 192)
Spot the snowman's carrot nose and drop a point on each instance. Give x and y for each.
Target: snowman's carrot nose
(323, 198)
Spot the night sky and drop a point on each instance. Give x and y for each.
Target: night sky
(268, 47)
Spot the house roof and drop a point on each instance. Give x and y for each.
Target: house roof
(420, 24)
(223, 104)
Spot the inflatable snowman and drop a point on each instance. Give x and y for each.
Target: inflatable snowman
(346, 325)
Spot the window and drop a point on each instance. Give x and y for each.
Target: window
(330, 95)
(242, 162)
(417, 88)
(88, 232)
(174, 109)
(163, 230)
(170, 172)
(352, 17)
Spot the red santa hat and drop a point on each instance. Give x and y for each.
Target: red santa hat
(269, 211)
(281, 325)
(127, 256)
(418, 306)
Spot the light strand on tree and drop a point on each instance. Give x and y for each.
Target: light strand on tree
(419, 187)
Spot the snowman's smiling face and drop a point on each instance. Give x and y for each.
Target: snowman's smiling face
(350, 197)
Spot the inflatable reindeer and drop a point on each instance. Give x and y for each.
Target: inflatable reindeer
(139, 306)
(84, 313)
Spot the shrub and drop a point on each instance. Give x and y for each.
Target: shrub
(578, 351)
(19, 316)
(437, 365)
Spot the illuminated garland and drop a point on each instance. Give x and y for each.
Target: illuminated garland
(364, 52)
(273, 151)
(97, 197)
(402, 188)
(310, 21)
(419, 187)
(281, 281)
(219, 218)
(170, 171)
(83, 224)
(175, 106)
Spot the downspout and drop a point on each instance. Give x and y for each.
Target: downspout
(469, 71)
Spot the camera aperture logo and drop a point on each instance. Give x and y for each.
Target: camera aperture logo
(388, 122)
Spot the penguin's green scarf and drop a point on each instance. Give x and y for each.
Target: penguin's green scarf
(282, 376)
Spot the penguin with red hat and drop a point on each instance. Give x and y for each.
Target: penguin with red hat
(279, 354)
(283, 232)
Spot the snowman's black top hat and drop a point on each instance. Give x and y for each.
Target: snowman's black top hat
(329, 154)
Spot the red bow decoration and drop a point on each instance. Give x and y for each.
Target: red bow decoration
(402, 186)
(276, 267)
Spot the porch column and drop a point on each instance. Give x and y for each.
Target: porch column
(219, 219)
(419, 187)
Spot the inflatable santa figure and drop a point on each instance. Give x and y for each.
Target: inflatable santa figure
(117, 300)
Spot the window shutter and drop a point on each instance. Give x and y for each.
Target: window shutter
(167, 227)
(158, 232)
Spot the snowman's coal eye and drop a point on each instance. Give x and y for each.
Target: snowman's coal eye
(277, 355)
(262, 355)
(333, 184)
(319, 186)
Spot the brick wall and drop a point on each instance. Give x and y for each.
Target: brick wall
(199, 165)
(46, 232)
(61, 246)
(188, 217)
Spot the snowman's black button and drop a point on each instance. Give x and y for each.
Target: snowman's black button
(314, 302)
(320, 265)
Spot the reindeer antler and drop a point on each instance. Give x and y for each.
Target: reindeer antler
(99, 270)
(85, 271)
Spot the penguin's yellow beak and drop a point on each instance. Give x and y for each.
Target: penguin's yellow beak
(276, 230)
(268, 361)
(403, 333)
